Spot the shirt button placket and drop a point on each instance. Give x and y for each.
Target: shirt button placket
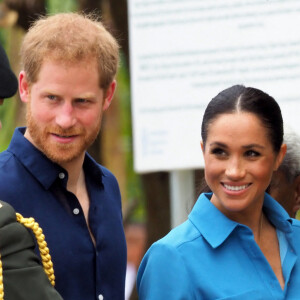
(61, 175)
(76, 211)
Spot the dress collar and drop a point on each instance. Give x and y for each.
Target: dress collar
(216, 227)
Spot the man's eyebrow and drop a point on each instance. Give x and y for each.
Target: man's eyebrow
(85, 96)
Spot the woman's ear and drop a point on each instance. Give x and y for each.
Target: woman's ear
(280, 156)
(24, 87)
(202, 146)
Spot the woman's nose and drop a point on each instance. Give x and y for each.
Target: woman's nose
(235, 169)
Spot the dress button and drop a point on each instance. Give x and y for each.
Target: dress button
(61, 175)
(100, 297)
(76, 211)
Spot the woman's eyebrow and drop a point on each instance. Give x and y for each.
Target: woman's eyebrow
(254, 146)
(219, 144)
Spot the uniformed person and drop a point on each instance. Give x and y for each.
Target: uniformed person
(21, 274)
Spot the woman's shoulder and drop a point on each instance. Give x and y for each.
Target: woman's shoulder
(295, 224)
(166, 265)
(179, 239)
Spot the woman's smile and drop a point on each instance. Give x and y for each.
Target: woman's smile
(238, 166)
(235, 187)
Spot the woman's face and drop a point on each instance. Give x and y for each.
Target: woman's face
(239, 162)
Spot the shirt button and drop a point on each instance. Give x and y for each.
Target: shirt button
(100, 297)
(61, 175)
(76, 211)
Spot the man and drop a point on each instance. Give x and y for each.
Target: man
(68, 81)
(285, 184)
(22, 275)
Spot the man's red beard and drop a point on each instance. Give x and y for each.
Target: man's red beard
(55, 151)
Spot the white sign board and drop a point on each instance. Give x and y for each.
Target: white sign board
(183, 53)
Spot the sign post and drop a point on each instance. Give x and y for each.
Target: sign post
(182, 195)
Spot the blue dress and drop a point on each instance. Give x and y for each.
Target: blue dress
(212, 257)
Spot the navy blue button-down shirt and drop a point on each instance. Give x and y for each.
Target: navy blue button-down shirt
(36, 187)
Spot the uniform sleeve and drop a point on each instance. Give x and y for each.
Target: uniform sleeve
(163, 275)
(23, 276)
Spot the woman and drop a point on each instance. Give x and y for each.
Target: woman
(238, 242)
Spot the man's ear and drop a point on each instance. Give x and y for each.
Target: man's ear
(24, 87)
(109, 95)
(280, 156)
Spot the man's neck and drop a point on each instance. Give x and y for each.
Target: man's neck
(75, 174)
(76, 185)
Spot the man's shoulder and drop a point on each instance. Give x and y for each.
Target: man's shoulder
(5, 156)
(9, 167)
(105, 171)
(106, 174)
(109, 179)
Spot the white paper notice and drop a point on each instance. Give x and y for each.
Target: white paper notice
(184, 52)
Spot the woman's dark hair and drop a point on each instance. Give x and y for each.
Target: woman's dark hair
(239, 98)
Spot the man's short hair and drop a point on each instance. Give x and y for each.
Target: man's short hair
(69, 38)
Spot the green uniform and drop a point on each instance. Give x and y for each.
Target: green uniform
(23, 275)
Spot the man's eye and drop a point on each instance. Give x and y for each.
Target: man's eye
(81, 100)
(51, 97)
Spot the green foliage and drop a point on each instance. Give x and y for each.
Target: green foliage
(7, 117)
(57, 6)
(135, 194)
(9, 108)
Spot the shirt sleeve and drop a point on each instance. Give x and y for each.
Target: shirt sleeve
(163, 275)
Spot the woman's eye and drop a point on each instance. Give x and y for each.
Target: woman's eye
(252, 153)
(218, 152)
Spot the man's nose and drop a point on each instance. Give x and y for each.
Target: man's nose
(65, 117)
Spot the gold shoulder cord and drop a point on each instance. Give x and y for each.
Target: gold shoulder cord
(1, 281)
(44, 250)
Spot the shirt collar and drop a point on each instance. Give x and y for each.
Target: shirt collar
(92, 169)
(277, 214)
(212, 224)
(216, 227)
(41, 167)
